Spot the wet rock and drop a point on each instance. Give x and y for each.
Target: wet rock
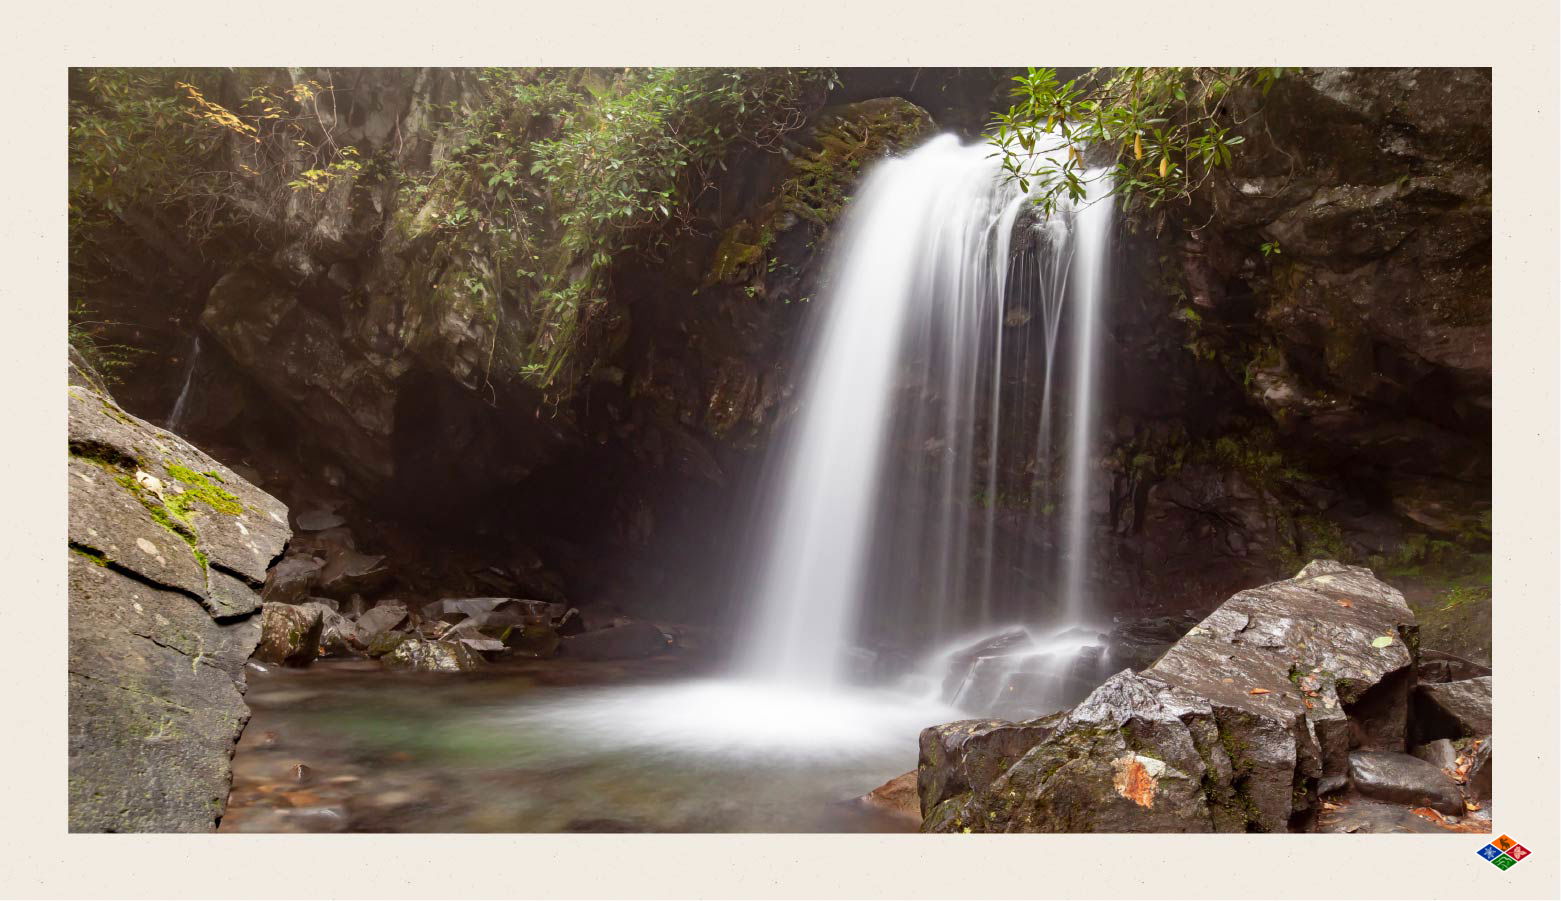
(338, 635)
(1454, 709)
(1138, 643)
(536, 640)
(319, 520)
(960, 661)
(422, 655)
(1364, 816)
(1239, 725)
(1477, 781)
(955, 757)
(384, 643)
(1390, 776)
(1440, 666)
(490, 612)
(292, 579)
(376, 620)
(1440, 754)
(897, 798)
(637, 639)
(289, 634)
(157, 639)
(1132, 757)
(349, 572)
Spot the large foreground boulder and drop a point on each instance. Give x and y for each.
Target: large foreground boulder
(168, 550)
(1237, 727)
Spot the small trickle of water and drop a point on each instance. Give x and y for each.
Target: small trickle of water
(181, 405)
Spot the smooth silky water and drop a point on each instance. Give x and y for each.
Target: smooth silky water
(928, 283)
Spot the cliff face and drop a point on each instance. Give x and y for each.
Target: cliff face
(363, 352)
(1305, 355)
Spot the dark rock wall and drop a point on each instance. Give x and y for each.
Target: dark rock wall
(1330, 395)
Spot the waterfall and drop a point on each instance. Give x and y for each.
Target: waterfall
(921, 445)
(181, 405)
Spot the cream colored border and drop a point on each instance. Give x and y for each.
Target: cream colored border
(1518, 39)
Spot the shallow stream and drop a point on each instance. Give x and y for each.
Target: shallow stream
(601, 747)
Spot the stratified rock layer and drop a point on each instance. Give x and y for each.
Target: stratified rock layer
(1236, 728)
(168, 551)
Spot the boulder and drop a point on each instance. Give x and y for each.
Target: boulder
(960, 661)
(1440, 754)
(497, 612)
(1135, 756)
(376, 620)
(290, 634)
(636, 639)
(169, 549)
(897, 799)
(1390, 776)
(422, 655)
(536, 640)
(1136, 644)
(384, 643)
(955, 757)
(338, 634)
(292, 578)
(1440, 666)
(1237, 727)
(349, 572)
(319, 520)
(1019, 675)
(1477, 782)
(1454, 709)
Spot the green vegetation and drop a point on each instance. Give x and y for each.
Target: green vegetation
(201, 487)
(565, 173)
(1160, 132)
(541, 186)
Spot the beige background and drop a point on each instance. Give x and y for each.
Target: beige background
(1518, 39)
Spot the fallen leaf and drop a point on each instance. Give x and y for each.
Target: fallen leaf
(1471, 805)
(1258, 691)
(1382, 641)
(1426, 812)
(1309, 705)
(1329, 805)
(1345, 603)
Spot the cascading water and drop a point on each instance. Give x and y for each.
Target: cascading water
(917, 403)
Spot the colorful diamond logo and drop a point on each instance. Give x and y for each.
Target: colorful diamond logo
(1504, 853)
